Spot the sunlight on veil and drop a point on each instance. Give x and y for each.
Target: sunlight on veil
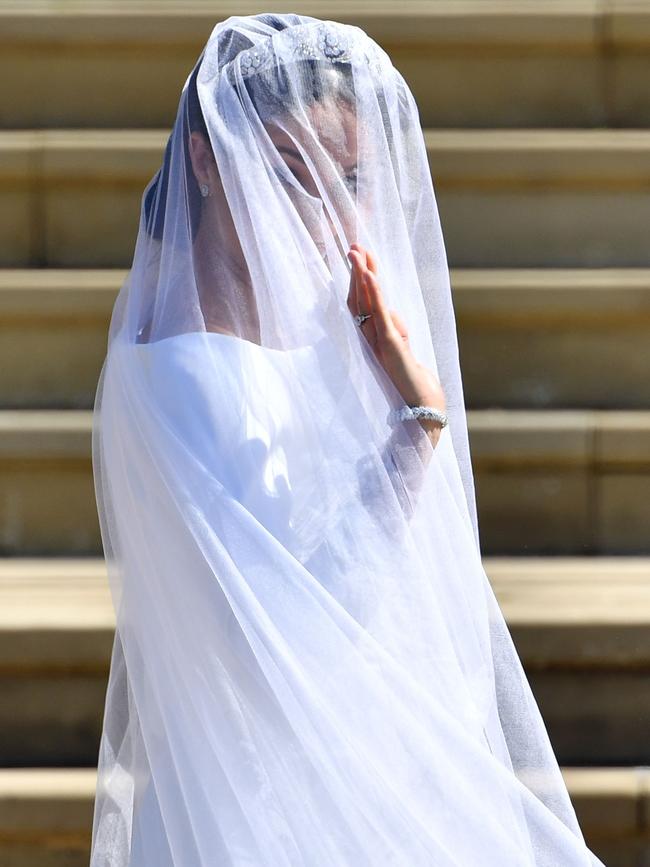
(310, 666)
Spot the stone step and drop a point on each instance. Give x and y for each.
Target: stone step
(562, 481)
(547, 481)
(581, 626)
(56, 633)
(507, 198)
(560, 338)
(54, 335)
(473, 63)
(47, 502)
(46, 814)
(529, 338)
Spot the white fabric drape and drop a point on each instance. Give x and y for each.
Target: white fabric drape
(310, 666)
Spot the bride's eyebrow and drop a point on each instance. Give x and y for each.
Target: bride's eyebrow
(294, 153)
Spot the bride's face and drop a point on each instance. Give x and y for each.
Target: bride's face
(330, 142)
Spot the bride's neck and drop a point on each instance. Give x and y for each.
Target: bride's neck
(227, 304)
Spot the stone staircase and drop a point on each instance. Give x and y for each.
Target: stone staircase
(537, 123)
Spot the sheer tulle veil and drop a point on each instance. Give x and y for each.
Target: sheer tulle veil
(309, 665)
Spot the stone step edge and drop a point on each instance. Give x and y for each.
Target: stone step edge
(56, 614)
(597, 440)
(459, 157)
(611, 802)
(481, 295)
(570, 24)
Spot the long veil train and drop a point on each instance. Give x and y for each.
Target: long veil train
(309, 666)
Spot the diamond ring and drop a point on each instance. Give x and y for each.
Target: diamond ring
(360, 318)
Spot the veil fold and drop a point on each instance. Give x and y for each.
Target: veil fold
(309, 665)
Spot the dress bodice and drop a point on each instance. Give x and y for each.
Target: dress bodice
(233, 407)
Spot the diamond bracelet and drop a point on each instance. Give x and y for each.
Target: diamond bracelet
(414, 412)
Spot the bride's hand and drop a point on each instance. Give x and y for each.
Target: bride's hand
(388, 336)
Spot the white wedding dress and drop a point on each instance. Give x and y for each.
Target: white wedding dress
(310, 668)
(297, 720)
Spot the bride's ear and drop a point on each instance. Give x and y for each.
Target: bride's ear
(203, 162)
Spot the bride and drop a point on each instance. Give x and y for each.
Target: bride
(309, 666)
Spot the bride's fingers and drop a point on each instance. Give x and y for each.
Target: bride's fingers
(372, 262)
(383, 319)
(355, 277)
(390, 317)
(358, 303)
(363, 303)
(366, 295)
(369, 270)
(352, 289)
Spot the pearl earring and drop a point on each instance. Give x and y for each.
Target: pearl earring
(205, 190)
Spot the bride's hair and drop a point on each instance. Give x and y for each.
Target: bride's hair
(156, 193)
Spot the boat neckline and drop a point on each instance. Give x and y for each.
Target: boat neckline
(232, 337)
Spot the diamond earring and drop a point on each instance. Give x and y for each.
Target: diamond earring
(205, 190)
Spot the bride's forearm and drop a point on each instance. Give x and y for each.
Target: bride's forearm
(407, 462)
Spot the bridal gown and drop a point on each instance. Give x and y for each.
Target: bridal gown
(303, 699)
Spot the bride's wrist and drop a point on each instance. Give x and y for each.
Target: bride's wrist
(431, 426)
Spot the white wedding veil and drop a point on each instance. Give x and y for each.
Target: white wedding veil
(309, 666)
